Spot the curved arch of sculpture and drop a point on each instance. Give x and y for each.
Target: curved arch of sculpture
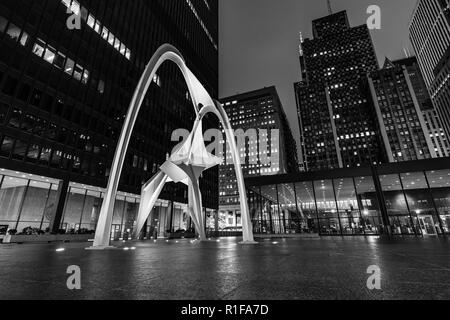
(199, 97)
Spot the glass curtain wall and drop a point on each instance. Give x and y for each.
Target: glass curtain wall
(439, 182)
(417, 204)
(369, 205)
(402, 221)
(82, 210)
(27, 202)
(346, 206)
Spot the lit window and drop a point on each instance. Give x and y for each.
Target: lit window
(49, 54)
(38, 48)
(91, 21)
(105, 33)
(101, 86)
(70, 64)
(14, 32)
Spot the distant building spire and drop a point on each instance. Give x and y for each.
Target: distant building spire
(330, 9)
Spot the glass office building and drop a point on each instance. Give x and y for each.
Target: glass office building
(63, 99)
(411, 198)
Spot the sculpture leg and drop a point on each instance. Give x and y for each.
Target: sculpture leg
(247, 225)
(150, 194)
(195, 208)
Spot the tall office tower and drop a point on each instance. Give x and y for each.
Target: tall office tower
(337, 121)
(400, 118)
(63, 99)
(430, 35)
(255, 111)
(435, 129)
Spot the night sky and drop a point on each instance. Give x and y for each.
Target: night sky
(259, 41)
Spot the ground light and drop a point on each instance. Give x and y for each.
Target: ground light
(60, 250)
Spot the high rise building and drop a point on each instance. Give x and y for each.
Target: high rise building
(430, 35)
(434, 127)
(63, 99)
(337, 121)
(399, 115)
(260, 112)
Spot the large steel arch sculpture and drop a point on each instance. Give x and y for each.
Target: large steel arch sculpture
(185, 165)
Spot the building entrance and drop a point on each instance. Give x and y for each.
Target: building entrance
(427, 225)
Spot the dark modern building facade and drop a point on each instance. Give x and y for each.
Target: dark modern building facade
(430, 35)
(257, 110)
(337, 120)
(63, 98)
(399, 199)
(434, 127)
(399, 115)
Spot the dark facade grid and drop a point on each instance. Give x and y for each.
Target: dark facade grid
(51, 120)
(400, 116)
(259, 110)
(337, 120)
(441, 90)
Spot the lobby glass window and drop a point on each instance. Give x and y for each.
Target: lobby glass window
(289, 216)
(269, 209)
(91, 210)
(36, 205)
(420, 202)
(73, 209)
(307, 205)
(350, 215)
(326, 207)
(401, 221)
(12, 192)
(368, 203)
(440, 189)
(116, 230)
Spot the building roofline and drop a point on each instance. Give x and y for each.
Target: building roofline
(251, 94)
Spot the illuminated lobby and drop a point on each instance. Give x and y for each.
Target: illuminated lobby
(400, 199)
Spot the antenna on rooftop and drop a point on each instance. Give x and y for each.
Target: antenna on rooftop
(330, 9)
(406, 52)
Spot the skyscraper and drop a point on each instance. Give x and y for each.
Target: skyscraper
(337, 121)
(430, 35)
(434, 127)
(64, 96)
(400, 118)
(256, 111)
